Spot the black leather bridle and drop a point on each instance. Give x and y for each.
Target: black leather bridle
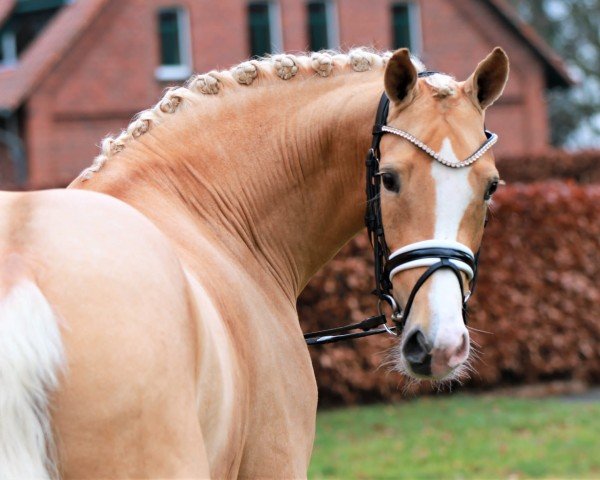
(433, 254)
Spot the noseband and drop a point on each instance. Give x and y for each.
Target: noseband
(433, 254)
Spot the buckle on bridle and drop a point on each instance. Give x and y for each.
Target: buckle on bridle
(396, 315)
(372, 162)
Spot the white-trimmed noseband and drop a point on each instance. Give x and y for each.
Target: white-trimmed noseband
(427, 262)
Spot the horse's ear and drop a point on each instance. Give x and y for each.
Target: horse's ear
(400, 77)
(488, 80)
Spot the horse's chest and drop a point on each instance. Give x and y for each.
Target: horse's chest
(281, 416)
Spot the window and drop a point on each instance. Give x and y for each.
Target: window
(322, 25)
(405, 26)
(175, 49)
(27, 19)
(263, 28)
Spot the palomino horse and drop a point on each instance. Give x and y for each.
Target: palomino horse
(148, 323)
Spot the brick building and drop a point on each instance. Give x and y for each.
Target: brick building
(72, 71)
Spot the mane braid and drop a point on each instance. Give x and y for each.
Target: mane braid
(282, 66)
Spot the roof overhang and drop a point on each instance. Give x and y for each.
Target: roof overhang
(46, 51)
(557, 74)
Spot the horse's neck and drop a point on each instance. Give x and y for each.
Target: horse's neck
(274, 172)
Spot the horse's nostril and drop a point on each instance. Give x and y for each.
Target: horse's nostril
(459, 355)
(416, 349)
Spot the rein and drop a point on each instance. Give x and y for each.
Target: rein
(433, 254)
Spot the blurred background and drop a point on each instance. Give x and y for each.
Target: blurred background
(72, 71)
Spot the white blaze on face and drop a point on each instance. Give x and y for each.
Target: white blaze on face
(453, 193)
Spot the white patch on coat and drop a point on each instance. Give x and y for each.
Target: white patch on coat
(31, 358)
(453, 193)
(216, 367)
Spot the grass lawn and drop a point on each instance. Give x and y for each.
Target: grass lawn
(459, 437)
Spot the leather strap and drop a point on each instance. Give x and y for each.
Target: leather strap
(426, 253)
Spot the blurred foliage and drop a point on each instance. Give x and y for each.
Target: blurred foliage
(459, 438)
(572, 28)
(581, 167)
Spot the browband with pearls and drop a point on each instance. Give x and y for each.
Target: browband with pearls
(491, 138)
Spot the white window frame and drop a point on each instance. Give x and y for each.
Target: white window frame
(414, 13)
(183, 70)
(8, 43)
(275, 27)
(414, 25)
(333, 28)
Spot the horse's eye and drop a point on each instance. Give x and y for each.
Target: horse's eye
(491, 190)
(390, 181)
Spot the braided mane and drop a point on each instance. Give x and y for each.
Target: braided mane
(281, 66)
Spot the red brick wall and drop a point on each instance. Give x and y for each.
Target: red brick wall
(520, 116)
(108, 75)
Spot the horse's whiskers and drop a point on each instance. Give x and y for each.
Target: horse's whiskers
(480, 331)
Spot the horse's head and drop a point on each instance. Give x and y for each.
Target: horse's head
(424, 200)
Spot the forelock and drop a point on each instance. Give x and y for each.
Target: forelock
(443, 85)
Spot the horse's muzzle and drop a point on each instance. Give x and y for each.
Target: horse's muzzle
(424, 359)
